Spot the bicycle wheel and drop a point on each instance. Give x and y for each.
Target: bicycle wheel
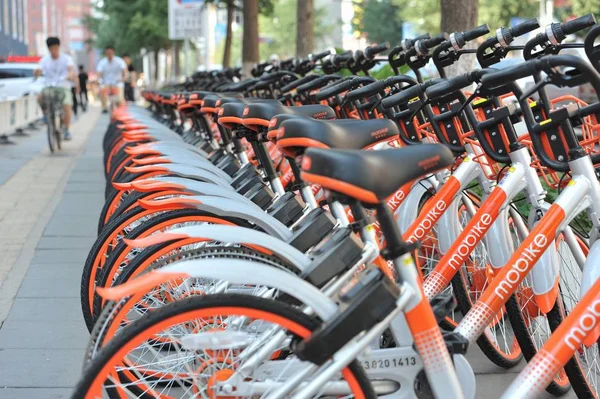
(120, 314)
(51, 128)
(532, 327)
(149, 356)
(59, 132)
(498, 342)
(583, 369)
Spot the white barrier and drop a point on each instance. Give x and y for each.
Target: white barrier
(17, 113)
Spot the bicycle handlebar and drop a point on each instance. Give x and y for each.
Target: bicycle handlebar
(577, 24)
(319, 56)
(372, 51)
(341, 87)
(523, 28)
(291, 86)
(453, 84)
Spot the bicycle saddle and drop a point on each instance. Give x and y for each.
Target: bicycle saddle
(372, 176)
(260, 114)
(297, 134)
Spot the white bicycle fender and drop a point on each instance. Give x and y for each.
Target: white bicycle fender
(193, 172)
(544, 277)
(498, 241)
(198, 187)
(591, 269)
(449, 227)
(243, 272)
(242, 235)
(408, 211)
(226, 207)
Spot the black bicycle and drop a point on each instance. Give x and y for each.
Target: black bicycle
(52, 100)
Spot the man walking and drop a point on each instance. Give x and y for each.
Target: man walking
(131, 79)
(83, 91)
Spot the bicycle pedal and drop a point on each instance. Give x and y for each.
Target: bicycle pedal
(456, 343)
(442, 305)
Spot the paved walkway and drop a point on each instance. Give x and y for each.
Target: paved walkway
(49, 208)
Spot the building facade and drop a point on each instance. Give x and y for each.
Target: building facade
(13, 27)
(62, 18)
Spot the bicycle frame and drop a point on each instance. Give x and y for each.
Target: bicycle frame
(582, 193)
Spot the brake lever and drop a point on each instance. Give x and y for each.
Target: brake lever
(423, 105)
(534, 88)
(375, 105)
(468, 101)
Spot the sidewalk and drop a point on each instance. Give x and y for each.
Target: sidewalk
(48, 214)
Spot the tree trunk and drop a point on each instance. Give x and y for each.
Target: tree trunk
(458, 16)
(250, 42)
(155, 68)
(176, 63)
(305, 28)
(228, 34)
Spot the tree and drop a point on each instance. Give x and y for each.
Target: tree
(305, 28)
(367, 21)
(583, 7)
(458, 16)
(228, 33)
(498, 13)
(250, 39)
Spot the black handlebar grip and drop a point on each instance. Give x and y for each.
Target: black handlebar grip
(504, 76)
(371, 51)
(366, 91)
(434, 41)
(335, 89)
(318, 56)
(524, 27)
(403, 97)
(477, 32)
(449, 86)
(578, 24)
(299, 82)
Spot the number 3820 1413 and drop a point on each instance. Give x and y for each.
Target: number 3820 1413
(389, 363)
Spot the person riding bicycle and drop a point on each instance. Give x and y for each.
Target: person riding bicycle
(58, 70)
(112, 71)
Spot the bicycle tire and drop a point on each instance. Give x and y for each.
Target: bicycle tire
(164, 220)
(109, 356)
(528, 347)
(151, 258)
(577, 377)
(50, 127)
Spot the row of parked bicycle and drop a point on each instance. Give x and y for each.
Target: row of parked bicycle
(303, 234)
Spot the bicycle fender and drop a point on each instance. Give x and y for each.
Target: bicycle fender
(185, 158)
(188, 185)
(498, 241)
(234, 271)
(408, 211)
(191, 172)
(229, 235)
(591, 269)
(544, 279)
(224, 207)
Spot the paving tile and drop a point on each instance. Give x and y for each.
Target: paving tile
(79, 203)
(60, 255)
(61, 242)
(75, 226)
(67, 268)
(35, 393)
(51, 284)
(36, 368)
(43, 335)
(493, 385)
(45, 309)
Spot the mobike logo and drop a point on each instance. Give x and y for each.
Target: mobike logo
(380, 134)
(246, 111)
(395, 200)
(521, 266)
(429, 163)
(427, 224)
(470, 241)
(586, 323)
(320, 115)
